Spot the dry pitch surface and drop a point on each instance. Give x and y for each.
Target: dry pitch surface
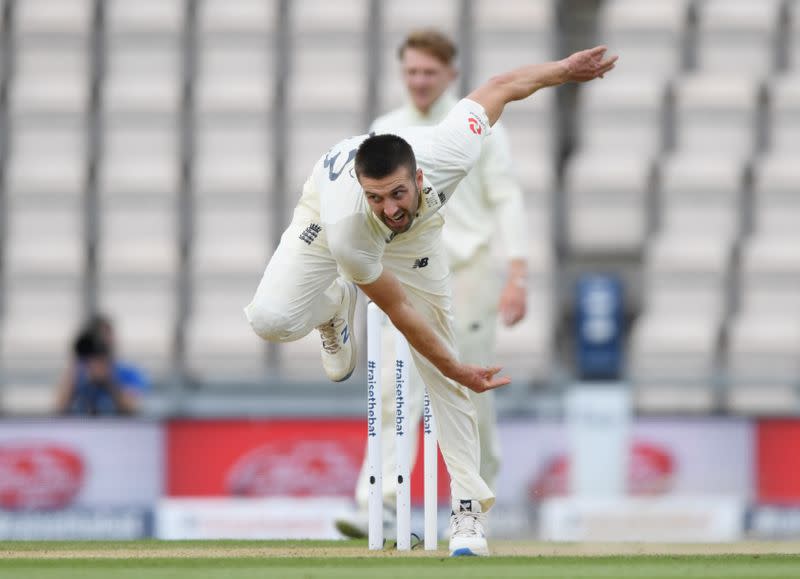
(310, 559)
(358, 549)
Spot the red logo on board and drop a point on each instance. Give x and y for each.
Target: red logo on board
(650, 472)
(475, 126)
(294, 468)
(39, 476)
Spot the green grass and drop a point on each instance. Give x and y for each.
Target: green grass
(186, 560)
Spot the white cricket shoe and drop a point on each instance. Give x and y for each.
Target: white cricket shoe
(467, 535)
(338, 344)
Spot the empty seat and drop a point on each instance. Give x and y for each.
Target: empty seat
(317, 86)
(770, 274)
(537, 177)
(687, 273)
(673, 361)
(510, 33)
(784, 113)
(235, 76)
(327, 60)
(531, 125)
(220, 345)
(49, 161)
(139, 160)
(701, 194)
(764, 347)
(138, 238)
(321, 17)
(651, 36)
(50, 80)
(44, 238)
(776, 203)
(717, 113)
(237, 17)
(36, 332)
(738, 36)
(233, 160)
(51, 75)
(53, 18)
(145, 17)
(626, 115)
(230, 238)
(143, 78)
(763, 364)
(674, 343)
(402, 16)
(606, 203)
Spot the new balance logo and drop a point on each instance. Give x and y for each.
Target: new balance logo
(345, 334)
(421, 262)
(310, 233)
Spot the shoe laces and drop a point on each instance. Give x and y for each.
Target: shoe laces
(467, 524)
(329, 332)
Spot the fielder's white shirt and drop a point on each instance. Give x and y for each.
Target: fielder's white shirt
(488, 201)
(356, 237)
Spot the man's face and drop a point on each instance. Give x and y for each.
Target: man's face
(394, 199)
(425, 77)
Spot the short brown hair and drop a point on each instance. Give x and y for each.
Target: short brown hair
(432, 42)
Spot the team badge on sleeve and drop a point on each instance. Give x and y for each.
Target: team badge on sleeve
(475, 125)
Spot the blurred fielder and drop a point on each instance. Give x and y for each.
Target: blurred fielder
(486, 197)
(369, 217)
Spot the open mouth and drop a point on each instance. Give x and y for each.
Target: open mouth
(397, 222)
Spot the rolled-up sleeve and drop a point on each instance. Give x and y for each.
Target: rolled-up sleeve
(453, 147)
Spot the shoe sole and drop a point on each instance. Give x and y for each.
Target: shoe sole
(349, 530)
(464, 552)
(351, 312)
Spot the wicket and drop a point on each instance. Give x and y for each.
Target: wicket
(374, 455)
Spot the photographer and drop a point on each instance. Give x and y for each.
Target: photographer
(95, 383)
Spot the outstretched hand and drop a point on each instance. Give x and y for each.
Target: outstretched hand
(589, 64)
(480, 379)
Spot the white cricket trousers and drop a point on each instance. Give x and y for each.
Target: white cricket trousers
(476, 293)
(301, 289)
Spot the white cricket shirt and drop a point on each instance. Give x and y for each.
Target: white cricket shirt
(486, 200)
(356, 237)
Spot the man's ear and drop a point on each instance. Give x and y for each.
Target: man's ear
(419, 179)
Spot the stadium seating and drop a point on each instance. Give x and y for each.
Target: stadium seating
(152, 152)
(628, 116)
(511, 33)
(738, 36)
(793, 41)
(717, 113)
(607, 198)
(651, 36)
(232, 171)
(762, 359)
(784, 122)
